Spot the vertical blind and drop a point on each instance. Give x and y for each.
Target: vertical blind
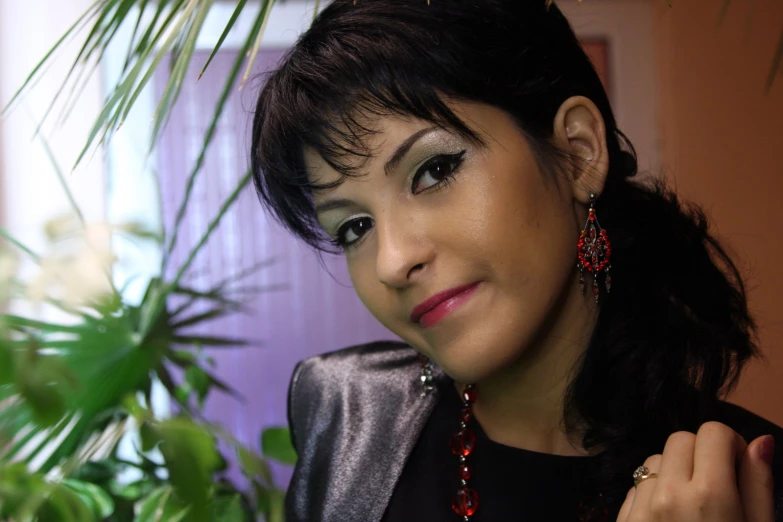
(302, 306)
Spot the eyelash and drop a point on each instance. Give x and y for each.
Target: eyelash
(454, 161)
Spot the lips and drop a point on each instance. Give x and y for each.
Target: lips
(439, 305)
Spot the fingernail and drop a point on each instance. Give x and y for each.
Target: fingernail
(767, 450)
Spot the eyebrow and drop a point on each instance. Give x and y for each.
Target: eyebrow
(332, 204)
(404, 147)
(390, 166)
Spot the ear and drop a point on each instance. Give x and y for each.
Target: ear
(579, 130)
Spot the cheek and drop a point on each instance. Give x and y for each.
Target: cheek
(368, 288)
(362, 279)
(526, 230)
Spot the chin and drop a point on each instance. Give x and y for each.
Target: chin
(467, 365)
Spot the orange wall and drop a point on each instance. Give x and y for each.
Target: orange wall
(722, 144)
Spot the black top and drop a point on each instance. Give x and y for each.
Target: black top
(512, 484)
(358, 423)
(515, 484)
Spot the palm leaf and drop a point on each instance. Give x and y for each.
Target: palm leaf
(257, 30)
(128, 90)
(48, 56)
(266, 9)
(174, 86)
(724, 9)
(18, 244)
(777, 64)
(229, 25)
(316, 9)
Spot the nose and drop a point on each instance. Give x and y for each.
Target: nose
(402, 253)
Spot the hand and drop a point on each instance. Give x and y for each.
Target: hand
(713, 476)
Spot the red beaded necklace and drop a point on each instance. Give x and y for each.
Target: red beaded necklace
(466, 501)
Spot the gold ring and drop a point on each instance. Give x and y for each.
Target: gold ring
(642, 473)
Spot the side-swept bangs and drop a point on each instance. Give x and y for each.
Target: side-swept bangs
(380, 58)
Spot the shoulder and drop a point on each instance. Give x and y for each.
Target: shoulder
(751, 426)
(746, 423)
(325, 382)
(372, 357)
(353, 366)
(355, 415)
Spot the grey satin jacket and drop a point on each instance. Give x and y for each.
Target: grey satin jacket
(352, 446)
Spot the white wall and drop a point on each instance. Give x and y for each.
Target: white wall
(29, 191)
(628, 26)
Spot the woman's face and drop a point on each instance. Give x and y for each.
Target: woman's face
(483, 222)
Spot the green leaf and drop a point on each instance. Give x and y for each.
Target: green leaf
(229, 509)
(161, 506)
(101, 503)
(276, 444)
(132, 491)
(263, 498)
(150, 437)
(723, 11)
(266, 9)
(211, 314)
(21, 492)
(256, 30)
(18, 244)
(153, 504)
(87, 14)
(253, 465)
(199, 381)
(128, 90)
(227, 203)
(64, 505)
(17, 322)
(777, 64)
(205, 340)
(40, 381)
(182, 393)
(182, 60)
(229, 25)
(191, 457)
(96, 471)
(7, 364)
(63, 184)
(316, 9)
(276, 506)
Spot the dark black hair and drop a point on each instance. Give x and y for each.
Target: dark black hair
(675, 332)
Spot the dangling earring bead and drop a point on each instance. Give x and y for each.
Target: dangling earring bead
(426, 375)
(594, 251)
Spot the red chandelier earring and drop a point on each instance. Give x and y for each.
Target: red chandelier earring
(594, 251)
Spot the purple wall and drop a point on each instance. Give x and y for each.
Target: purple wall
(318, 310)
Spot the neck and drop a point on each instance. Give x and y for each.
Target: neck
(522, 405)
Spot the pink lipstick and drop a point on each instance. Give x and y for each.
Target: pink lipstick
(431, 311)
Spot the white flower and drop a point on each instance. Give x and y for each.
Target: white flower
(77, 267)
(64, 226)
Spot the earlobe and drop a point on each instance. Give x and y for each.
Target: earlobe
(580, 131)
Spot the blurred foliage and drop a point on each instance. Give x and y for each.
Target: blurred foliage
(70, 390)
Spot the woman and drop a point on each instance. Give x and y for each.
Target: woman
(456, 150)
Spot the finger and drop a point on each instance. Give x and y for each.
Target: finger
(755, 480)
(644, 490)
(677, 458)
(625, 510)
(717, 454)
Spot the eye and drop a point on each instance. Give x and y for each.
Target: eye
(352, 231)
(436, 171)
